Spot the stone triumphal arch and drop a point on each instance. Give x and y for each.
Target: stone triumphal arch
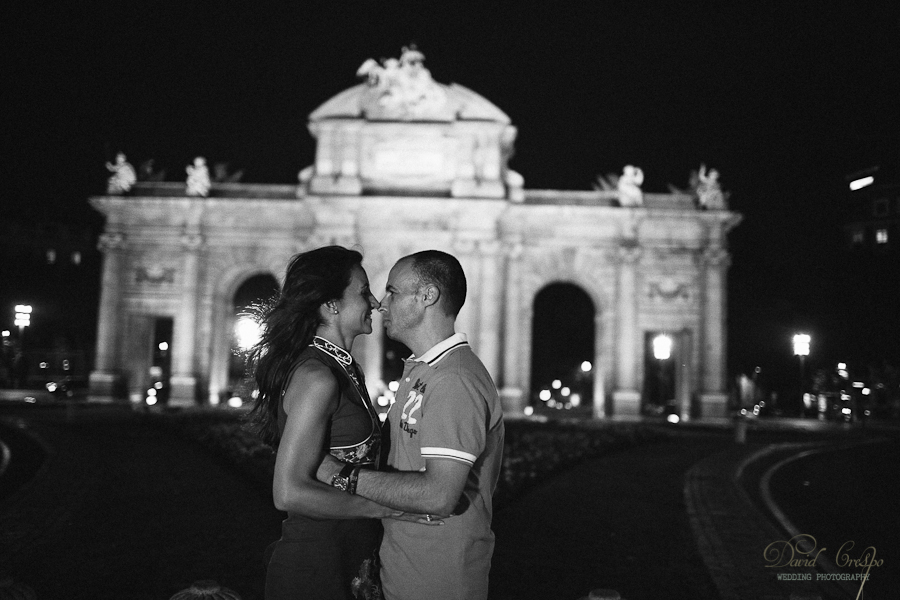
(403, 164)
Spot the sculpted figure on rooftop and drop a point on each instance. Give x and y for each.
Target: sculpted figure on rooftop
(709, 191)
(123, 175)
(198, 182)
(402, 89)
(629, 186)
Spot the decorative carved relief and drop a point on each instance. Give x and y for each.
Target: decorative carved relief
(154, 275)
(668, 290)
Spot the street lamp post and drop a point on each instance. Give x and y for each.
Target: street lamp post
(801, 349)
(22, 320)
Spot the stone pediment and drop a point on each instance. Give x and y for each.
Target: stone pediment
(454, 102)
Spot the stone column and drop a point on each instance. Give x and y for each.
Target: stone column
(713, 399)
(597, 370)
(467, 321)
(106, 379)
(512, 386)
(184, 377)
(489, 311)
(685, 374)
(627, 396)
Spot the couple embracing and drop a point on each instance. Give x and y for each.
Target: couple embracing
(400, 511)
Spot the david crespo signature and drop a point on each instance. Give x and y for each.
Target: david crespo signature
(802, 551)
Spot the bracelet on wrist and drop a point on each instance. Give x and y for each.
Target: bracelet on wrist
(354, 479)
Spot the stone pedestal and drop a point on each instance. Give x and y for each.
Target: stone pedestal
(713, 406)
(183, 390)
(347, 186)
(626, 403)
(513, 401)
(105, 386)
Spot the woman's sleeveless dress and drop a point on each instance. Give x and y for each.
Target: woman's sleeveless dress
(333, 559)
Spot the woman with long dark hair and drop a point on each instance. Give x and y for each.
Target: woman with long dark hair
(312, 400)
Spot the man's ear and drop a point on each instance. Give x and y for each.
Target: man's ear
(431, 294)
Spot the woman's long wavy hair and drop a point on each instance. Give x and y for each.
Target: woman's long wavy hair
(288, 324)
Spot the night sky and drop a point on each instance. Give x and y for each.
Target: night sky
(784, 99)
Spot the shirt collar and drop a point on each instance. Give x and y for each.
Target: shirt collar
(441, 349)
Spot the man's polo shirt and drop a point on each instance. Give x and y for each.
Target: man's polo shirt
(447, 408)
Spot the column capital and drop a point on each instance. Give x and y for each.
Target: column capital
(111, 241)
(513, 248)
(464, 245)
(629, 254)
(191, 241)
(715, 256)
(489, 247)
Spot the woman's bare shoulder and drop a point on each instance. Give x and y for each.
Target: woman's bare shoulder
(311, 380)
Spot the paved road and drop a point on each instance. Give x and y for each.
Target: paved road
(125, 510)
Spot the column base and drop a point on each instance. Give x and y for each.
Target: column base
(626, 403)
(183, 390)
(513, 401)
(713, 406)
(105, 387)
(342, 185)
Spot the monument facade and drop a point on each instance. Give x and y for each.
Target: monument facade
(403, 164)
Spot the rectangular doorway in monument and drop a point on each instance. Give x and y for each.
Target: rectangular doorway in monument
(666, 389)
(161, 363)
(147, 358)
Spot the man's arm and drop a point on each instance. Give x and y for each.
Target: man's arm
(434, 491)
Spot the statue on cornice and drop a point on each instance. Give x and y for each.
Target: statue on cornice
(148, 172)
(709, 191)
(402, 89)
(223, 176)
(629, 186)
(198, 178)
(123, 176)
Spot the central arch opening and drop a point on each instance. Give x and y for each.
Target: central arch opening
(562, 350)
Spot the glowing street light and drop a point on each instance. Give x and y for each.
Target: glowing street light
(23, 316)
(662, 350)
(801, 344)
(858, 184)
(662, 347)
(801, 348)
(247, 331)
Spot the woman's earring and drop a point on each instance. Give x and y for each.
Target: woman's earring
(334, 310)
